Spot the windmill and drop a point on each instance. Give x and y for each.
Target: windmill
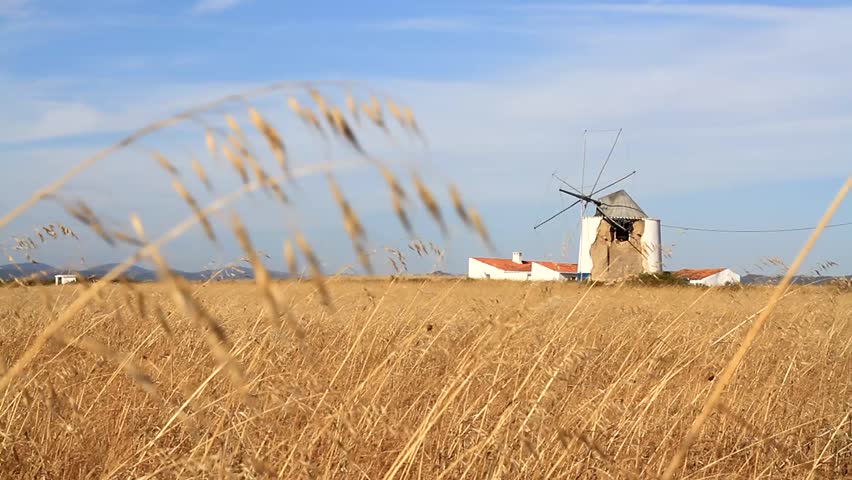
(619, 239)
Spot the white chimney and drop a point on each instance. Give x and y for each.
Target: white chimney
(516, 257)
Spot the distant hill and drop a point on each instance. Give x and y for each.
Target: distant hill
(755, 279)
(26, 270)
(135, 273)
(441, 273)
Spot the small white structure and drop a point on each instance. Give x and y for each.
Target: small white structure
(517, 268)
(553, 271)
(709, 277)
(63, 279)
(652, 247)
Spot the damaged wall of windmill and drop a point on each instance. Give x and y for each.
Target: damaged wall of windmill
(617, 253)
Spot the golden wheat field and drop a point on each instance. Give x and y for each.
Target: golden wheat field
(426, 378)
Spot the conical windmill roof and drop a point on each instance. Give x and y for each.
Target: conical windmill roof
(620, 205)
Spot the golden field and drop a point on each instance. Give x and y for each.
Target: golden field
(432, 378)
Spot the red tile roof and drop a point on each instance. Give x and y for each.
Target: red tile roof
(559, 267)
(697, 274)
(506, 264)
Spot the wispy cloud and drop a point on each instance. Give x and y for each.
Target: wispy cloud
(212, 6)
(53, 111)
(429, 24)
(719, 10)
(14, 8)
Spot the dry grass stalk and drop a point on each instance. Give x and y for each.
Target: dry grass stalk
(126, 238)
(306, 115)
(352, 225)
(237, 162)
(260, 174)
(396, 112)
(235, 127)
(429, 201)
(119, 359)
(400, 258)
(397, 199)
(193, 204)
(393, 182)
(136, 224)
(294, 105)
(455, 197)
(216, 338)
(769, 439)
(352, 106)
(210, 141)
(341, 126)
(202, 175)
(165, 163)
(81, 211)
(396, 268)
(733, 364)
(408, 116)
(264, 283)
(399, 209)
(49, 190)
(67, 231)
(38, 343)
(428, 386)
(311, 118)
(479, 226)
(272, 137)
(243, 155)
(162, 320)
(373, 110)
(404, 116)
(317, 276)
(322, 106)
(290, 258)
(275, 186)
(390, 373)
(418, 247)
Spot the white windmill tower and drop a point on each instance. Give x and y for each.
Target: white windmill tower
(619, 239)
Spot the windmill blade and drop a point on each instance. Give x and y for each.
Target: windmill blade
(584, 198)
(609, 155)
(560, 212)
(615, 182)
(572, 187)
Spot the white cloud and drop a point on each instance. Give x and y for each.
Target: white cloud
(743, 105)
(211, 6)
(40, 111)
(730, 107)
(428, 24)
(721, 10)
(14, 8)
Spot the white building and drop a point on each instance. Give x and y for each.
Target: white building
(63, 279)
(553, 271)
(709, 277)
(516, 268)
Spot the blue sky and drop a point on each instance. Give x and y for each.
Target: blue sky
(736, 115)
